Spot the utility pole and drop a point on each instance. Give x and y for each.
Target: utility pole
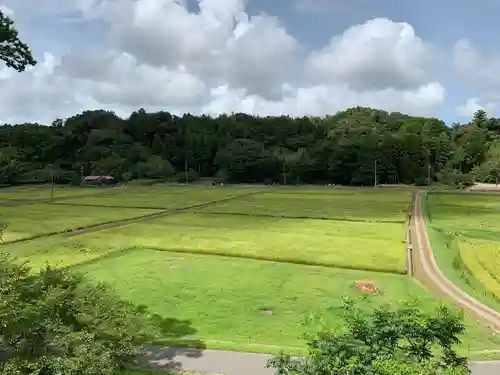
(429, 175)
(52, 185)
(375, 174)
(284, 171)
(186, 170)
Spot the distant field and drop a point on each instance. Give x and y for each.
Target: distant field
(476, 215)
(160, 197)
(465, 234)
(251, 302)
(356, 205)
(31, 220)
(26, 193)
(334, 243)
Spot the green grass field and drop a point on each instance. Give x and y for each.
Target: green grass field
(170, 264)
(160, 197)
(45, 192)
(32, 220)
(269, 303)
(482, 259)
(369, 246)
(343, 204)
(464, 232)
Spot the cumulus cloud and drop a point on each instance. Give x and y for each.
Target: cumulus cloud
(376, 55)
(6, 10)
(118, 78)
(157, 54)
(481, 72)
(467, 109)
(321, 100)
(220, 43)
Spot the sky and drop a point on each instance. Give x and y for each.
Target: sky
(295, 57)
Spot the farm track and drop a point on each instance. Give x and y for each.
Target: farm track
(429, 273)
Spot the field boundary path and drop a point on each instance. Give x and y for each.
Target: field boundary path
(432, 276)
(235, 363)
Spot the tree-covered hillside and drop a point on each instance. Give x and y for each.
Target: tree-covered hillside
(347, 148)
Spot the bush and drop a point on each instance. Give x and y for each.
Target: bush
(403, 341)
(192, 176)
(55, 323)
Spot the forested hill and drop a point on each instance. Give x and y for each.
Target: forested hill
(345, 148)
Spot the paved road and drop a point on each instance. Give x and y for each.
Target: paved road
(233, 363)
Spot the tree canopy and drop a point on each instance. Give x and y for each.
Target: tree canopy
(348, 148)
(52, 322)
(389, 341)
(13, 52)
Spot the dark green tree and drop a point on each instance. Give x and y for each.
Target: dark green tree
(15, 53)
(55, 323)
(389, 341)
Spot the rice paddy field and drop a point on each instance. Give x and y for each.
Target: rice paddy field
(44, 192)
(465, 236)
(37, 219)
(158, 197)
(252, 269)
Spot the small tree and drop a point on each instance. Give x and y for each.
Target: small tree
(54, 323)
(389, 341)
(13, 51)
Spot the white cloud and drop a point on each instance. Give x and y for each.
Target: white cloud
(221, 43)
(481, 72)
(376, 55)
(117, 78)
(467, 109)
(7, 11)
(323, 99)
(158, 55)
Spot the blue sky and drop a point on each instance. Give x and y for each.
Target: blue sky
(287, 63)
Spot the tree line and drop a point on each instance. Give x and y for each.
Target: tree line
(358, 146)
